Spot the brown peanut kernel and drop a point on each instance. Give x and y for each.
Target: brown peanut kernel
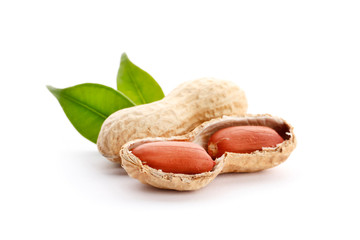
(242, 139)
(175, 157)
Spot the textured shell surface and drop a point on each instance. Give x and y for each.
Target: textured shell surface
(186, 107)
(228, 162)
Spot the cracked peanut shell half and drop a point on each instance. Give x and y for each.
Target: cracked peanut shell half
(192, 178)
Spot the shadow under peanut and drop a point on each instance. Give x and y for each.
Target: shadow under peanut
(223, 185)
(94, 161)
(112, 169)
(247, 180)
(122, 187)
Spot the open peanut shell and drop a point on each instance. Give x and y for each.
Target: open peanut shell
(157, 178)
(229, 162)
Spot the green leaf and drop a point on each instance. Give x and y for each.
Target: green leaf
(88, 105)
(137, 84)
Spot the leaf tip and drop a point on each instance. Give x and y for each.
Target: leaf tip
(124, 57)
(53, 90)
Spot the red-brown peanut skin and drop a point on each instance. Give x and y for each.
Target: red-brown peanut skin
(242, 139)
(175, 157)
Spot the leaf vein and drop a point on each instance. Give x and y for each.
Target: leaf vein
(90, 108)
(136, 85)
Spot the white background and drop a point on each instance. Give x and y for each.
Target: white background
(298, 60)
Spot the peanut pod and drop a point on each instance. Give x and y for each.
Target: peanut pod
(186, 107)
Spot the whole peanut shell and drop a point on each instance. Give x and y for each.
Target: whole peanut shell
(186, 107)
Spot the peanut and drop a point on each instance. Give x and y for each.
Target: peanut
(186, 107)
(242, 139)
(175, 157)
